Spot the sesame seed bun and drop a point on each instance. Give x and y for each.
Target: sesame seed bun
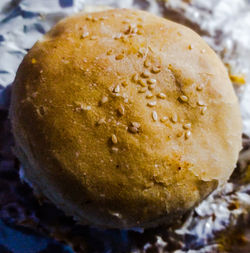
(124, 119)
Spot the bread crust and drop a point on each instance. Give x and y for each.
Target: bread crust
(124, 119)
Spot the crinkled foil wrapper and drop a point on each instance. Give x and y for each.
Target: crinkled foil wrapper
(221, 223)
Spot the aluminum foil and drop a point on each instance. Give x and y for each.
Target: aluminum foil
(221, 223)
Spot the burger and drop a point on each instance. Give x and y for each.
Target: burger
(123, 119)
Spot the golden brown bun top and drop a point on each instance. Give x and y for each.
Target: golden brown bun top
(124, 119)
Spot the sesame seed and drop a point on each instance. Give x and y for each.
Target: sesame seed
(142, 82)
(117, 36)
(200, 103)
(161, 95)
(190, 47)
(145, 74)
(119, 57)
(155, 70)
(34, 94)
(187, 126)
(134, 127)
(134, 30)
(135, 124)
(121, 110)
(131, 35)
(183, 98)
(85, 34)
(131, 29)
(200, 87)
(114, 149)
(149, 95)
(104, 100)
(151, 86)
(174, 118)
(116, 89)
(203, 110)
(101, 121)
(79, 105)
(124, 83)
(151, 81)
(127, 31)
(179, 134)
(164, 119)
(86, 108)
(187, 135)
(135, 77)
(89, 17)
(140, 32)
(146, 63)
(40, 111)
(203, 50)
(142, 90)
(151, 104)
(154, 116)
(93, 37)
(142, 51)
(109, 52)
(103, 18)
(125, 21)
(114, 138)
(124, 39)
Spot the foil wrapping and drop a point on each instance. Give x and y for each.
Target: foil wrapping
(221, 223)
